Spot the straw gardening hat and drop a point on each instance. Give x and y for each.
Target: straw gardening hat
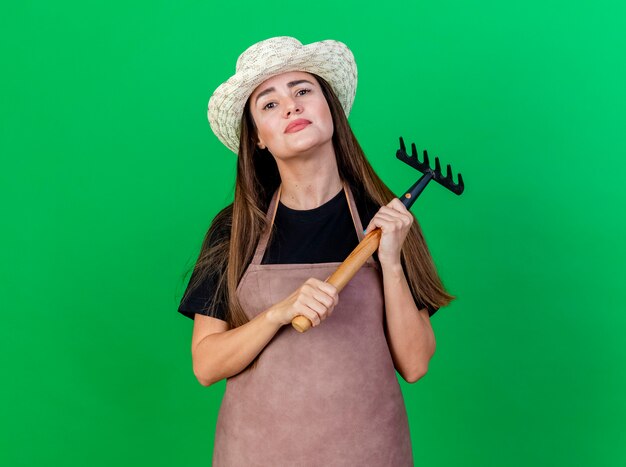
(332, 60)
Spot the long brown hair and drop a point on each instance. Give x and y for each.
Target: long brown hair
(257, 180)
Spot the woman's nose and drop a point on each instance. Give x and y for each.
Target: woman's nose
(292, 107)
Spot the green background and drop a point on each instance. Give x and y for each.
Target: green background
(111, 175)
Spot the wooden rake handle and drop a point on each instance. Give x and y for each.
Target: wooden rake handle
(345, 271)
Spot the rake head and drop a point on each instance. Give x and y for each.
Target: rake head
(424, 167)
(429, 174)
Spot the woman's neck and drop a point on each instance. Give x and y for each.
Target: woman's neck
(309, 182)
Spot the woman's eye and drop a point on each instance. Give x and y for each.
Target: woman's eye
(300, 92)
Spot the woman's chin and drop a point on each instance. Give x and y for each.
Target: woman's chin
(308, 146)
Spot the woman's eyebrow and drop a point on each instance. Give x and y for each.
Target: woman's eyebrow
(290, 84)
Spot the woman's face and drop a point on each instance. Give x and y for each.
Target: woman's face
(291, 115)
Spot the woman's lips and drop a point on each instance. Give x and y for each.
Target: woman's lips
(297, 125)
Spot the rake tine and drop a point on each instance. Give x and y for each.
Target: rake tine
(437, 166)
(402, 146)
(426, 161)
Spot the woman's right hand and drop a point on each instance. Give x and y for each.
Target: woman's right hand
(314, 299)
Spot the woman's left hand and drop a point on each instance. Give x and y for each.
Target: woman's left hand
(395, 221)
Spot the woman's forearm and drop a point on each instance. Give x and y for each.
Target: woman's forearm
(224, 354)
(410, 335)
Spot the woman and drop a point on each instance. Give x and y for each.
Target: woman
(330, 396)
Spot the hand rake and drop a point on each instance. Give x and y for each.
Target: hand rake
(369, 244)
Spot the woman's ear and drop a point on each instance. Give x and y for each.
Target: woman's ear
(260, 145)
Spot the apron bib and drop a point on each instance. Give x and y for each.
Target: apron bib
(327, 397)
